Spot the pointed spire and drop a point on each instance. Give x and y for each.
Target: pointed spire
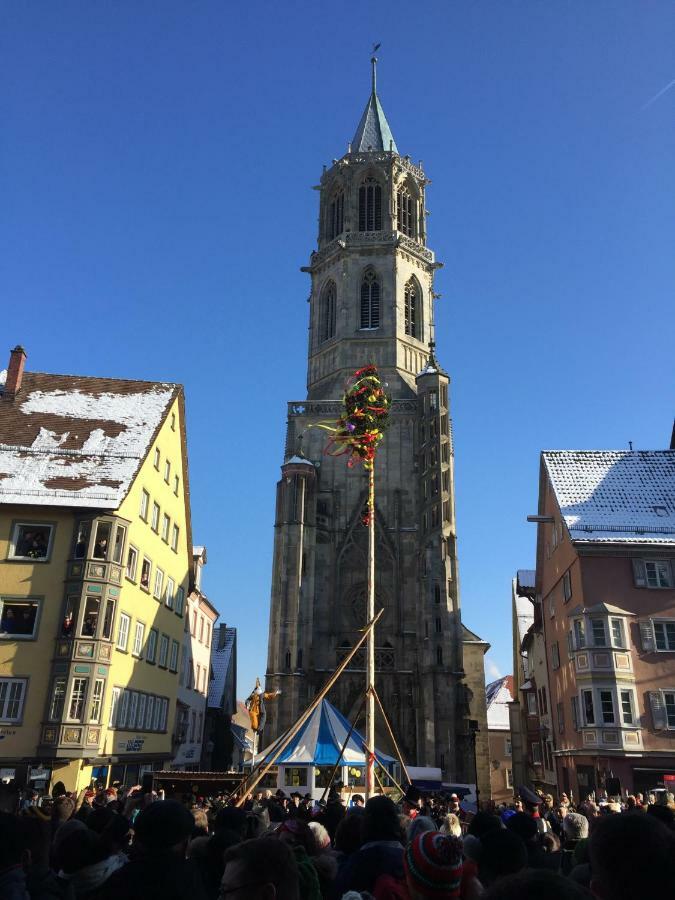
(373, 132)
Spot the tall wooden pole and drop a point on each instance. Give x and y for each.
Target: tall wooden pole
(370, 645)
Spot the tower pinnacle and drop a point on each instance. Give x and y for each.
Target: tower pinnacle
(373, 132)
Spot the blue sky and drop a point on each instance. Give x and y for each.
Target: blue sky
(156, 167)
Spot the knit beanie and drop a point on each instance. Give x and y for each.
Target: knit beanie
(433, 864)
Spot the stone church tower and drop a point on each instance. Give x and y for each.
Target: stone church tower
(372, 300)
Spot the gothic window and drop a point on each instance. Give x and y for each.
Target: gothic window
(439, 655)
(327, 304)
(411, 308)
(405, 212)
(336, 215)
(288, 659)
(370, 301)
(370, 206)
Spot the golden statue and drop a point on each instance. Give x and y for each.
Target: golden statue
(255, 704)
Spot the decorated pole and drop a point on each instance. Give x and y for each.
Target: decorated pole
(357, 433)
(370, 645)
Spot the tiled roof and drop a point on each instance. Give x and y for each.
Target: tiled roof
(373, 132)
(617, 496)
(67, 440)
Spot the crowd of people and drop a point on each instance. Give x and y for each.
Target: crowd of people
(130, 844)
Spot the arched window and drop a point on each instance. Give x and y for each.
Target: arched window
(336, 215)
(370, 300)
(370, 206)
(439, 655)
(288, 659)
(406, 219)
(411, 308)
(327, 312)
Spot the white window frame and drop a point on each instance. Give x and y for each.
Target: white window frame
(535, 752)
(158, 584)
(567, 586)
(114, 703)
(12, 691)
(631, 703)
(583, 706)
(154, 521)
(96, 701)
(173, 657)
(146, 587)
(156, 459)
(57, 703)
(149, 713)
(151, 647)
(175, 531)
(34, 601)
(508, 775)
(131, 574)
(163, 651)
(82, 683)
(170, 592)
(669, 725)
(156, 719)
(11, 550)
(139, 635)
(176, 484)
(166, 525)
(133, 710)
(593, 622)
(123, 632)
(144, 505)
(140, 716)
(602, 693)
(663, 623)
(580, 634)
(179, 605)
(123, 709)
(621, 641)
(661, 567)
(531, 702)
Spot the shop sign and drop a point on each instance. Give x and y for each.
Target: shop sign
(133, 745)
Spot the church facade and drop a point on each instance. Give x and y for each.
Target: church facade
(372, 300)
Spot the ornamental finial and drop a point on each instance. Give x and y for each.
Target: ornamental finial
(373, 63)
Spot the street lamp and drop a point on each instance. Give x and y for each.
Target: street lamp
(473, 731)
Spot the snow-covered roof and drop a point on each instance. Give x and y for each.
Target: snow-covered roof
(617, 496)
(299, 460)
(222, 660)
(67, 440)
(498, 695)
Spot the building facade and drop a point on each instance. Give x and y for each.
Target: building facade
(605, 587)
(94, 569)
(499, 696)
(219, 739)
(372, 299)
(195, 670)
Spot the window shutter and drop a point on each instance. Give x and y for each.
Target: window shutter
(658, 709)
(639, 575)
(647, 636)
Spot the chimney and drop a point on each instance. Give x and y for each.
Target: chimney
(17, 361)
(672, 438)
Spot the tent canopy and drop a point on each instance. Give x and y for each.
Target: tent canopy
(320, 740)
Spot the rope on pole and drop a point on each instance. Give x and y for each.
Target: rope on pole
(391, 735)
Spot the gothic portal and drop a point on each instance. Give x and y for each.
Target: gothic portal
(372, 293)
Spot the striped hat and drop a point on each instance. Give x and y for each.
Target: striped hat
(433, 864)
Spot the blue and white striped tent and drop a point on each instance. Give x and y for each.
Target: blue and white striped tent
(320, 740)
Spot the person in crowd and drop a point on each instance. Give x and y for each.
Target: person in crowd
(262, 869)
(502, 853)
(83, 861)
(451, 824)
(357, 800)
(433, 866)
(526, 827)
(12, 875)
(536, 884)
(299, 836)
(419, 825)
(381, 851)
(158, 865)
(631, 856)
(575, 829)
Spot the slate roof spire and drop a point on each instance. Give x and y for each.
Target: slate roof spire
(373, 132)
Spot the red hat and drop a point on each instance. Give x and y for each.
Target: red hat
(433, 865)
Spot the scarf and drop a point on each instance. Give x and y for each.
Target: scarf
(91, 877)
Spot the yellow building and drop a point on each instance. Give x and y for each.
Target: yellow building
(95, 560)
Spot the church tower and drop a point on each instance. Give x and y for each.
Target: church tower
(372, 300)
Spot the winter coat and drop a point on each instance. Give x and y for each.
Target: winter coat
(364, 867)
